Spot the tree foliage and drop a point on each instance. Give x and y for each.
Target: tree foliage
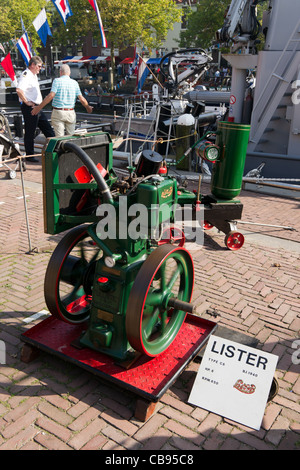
(207, 20)
(11, 12)
(126, 22)
(82, 21)
(203, 23)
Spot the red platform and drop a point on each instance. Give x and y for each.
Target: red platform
(147, 377)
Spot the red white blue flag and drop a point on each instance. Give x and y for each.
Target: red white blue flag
(23, 45)
(42, 26)
(93, 3)
(143, 72)
(63, 9)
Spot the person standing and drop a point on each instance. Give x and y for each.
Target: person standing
(64, 93)
(29, 93)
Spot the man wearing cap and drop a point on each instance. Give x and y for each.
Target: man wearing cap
(29, 93)
(64, 93)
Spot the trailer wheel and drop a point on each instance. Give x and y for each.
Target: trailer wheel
(234, 240)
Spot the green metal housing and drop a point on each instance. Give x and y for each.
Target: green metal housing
(60, 184)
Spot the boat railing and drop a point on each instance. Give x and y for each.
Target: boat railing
(140, 105)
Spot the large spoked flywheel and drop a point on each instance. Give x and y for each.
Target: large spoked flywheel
(152, 320)
(69, 276)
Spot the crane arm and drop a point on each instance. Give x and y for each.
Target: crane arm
(240, 19)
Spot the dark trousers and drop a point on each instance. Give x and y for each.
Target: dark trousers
(30, 124)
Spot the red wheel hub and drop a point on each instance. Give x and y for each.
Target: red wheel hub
(172, 235)
(234, 240)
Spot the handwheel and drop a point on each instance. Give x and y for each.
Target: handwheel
(152, 324)
(69, 276)
(234, 240)
(172, 235)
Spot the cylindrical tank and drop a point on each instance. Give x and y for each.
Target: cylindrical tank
(184, 130)
(227, 172)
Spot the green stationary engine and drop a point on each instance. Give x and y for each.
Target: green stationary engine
(121, 268)
(114, 270)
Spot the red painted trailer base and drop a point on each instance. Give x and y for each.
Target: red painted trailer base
(147, 377)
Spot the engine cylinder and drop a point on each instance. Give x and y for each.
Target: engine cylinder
(149, 163)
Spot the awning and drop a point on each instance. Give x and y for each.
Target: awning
(155, 60)
(128, 60)
(76, 59)
(117, 58)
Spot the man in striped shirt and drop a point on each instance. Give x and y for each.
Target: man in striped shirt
(64, 93)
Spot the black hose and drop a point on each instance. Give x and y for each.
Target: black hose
(105, 191)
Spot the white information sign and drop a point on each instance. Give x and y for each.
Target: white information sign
(234, 381)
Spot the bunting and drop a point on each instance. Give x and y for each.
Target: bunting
(24, 47)
(93, 3)
(42, 26)
(63, 9)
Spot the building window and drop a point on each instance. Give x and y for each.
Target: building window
(94, 42)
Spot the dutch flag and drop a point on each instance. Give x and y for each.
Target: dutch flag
(42, 27)
(63, 9)
(93, 3)
(143, 73)
(24, 47)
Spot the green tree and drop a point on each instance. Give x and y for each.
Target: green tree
(203, 23)
(11, 12)
(82, 21)
(142, 22)
(126, 22)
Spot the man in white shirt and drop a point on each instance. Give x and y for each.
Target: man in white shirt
(28, 91)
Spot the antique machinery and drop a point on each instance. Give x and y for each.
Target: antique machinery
(228, 153)
(119, 283)
(222, 208)
(129, 277)
(112, 270)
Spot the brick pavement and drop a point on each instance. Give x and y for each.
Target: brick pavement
(50, 404)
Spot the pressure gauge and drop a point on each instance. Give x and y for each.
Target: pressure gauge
(109, 261)
(208, 151)
(212, 154)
